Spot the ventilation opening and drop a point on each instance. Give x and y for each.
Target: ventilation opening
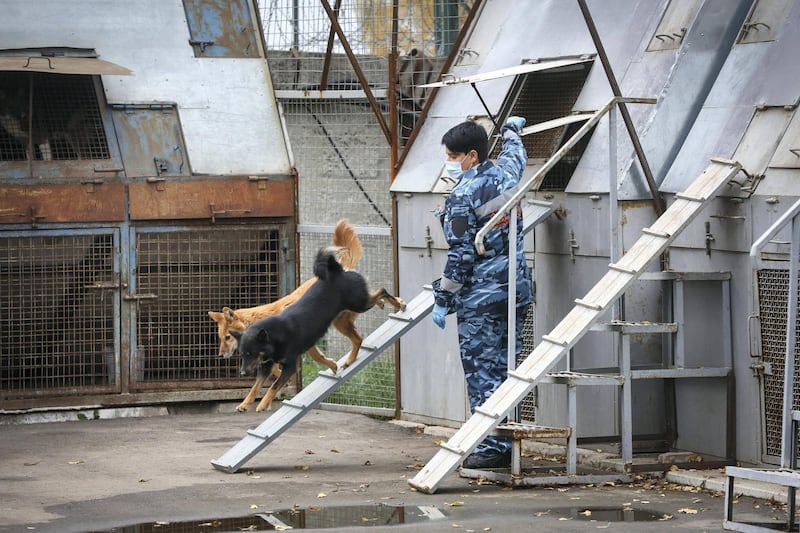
(47, 117)
(544, 96)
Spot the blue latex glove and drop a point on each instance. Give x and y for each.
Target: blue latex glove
(438, 314)
(517, 122)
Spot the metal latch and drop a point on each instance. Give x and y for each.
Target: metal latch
(761, 368)
(145, 296)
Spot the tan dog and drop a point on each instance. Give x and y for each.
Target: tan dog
(344, 237)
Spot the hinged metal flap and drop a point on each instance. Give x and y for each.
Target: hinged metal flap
(62, 65)
(532, 65)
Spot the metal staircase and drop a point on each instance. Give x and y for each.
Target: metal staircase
(576, 323)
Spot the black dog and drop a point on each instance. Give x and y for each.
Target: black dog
(283, 338)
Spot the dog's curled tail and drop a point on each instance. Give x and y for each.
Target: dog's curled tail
(344, 236)
(326, 263)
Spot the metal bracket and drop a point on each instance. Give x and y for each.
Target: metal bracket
(214, 212)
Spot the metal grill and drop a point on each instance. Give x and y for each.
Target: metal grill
(773, 292)
(297, 35)
(546, 96)
(374, 386)
(57, 319)
(65, 122)
(180, 275)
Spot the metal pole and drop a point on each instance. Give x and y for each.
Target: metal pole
(658, 204)
(791, 330)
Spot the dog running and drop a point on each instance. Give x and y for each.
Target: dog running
(281, 339)
(350, 250)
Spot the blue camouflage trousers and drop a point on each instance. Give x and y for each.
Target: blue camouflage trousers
(483, 338)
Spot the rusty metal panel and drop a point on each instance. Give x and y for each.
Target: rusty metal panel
(88, 201)
(151, 140)
(222, 28)
(237, 197)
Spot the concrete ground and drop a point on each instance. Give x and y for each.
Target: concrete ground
(331, 469)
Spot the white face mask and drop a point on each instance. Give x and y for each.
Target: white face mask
(453, 169)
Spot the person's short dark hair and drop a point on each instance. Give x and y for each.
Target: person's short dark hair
(468, 135)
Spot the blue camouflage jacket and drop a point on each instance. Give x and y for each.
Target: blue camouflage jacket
(480, 282)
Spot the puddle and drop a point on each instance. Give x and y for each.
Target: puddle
(607, 514)
(298, 518)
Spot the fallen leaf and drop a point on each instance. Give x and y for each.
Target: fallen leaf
(303, 467)
(322, 495)
(454, 504)
(686, 510)
(309, 452)
(587, 512)
(564, 519)
(456, 526)
(79, 462)
(665, 517)
(334, 450)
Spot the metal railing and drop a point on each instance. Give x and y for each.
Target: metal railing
(789, 217)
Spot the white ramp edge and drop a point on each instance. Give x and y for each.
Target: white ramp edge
(327, 382)
(576, 323)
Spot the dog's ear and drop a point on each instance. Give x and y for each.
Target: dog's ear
(216, 317)
(263, 336)
(236, 334)
(229, 314)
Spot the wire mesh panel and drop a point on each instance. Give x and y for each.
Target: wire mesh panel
(342, 160)
(527, 407)
(298, 35)
(180, 275)
(56, 116)
(546, 96)
(58, 314)
(773, 291)
(374, 386)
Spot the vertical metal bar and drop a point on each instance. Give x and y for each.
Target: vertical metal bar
(658, 203)
(393, 148)
(627, 411)
(730, 382)
(572, 441)
(511, 353)
(680, 335)
(791, 332)
(728, 508)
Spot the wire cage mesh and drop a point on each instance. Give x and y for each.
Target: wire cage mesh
(374, 386)
(303, 54)
(45, 117)
(773, 297)
(182, 271)
(57, 319)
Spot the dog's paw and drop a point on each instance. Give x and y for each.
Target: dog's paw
(241, 408)
(403, 304)
(261, 408)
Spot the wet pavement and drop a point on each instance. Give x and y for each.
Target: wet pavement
(330, 470)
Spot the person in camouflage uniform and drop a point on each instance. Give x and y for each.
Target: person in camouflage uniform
(474, 286)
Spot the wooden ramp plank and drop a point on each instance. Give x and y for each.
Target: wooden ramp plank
(576, 323)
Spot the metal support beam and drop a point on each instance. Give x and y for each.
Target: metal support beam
(658, 203)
